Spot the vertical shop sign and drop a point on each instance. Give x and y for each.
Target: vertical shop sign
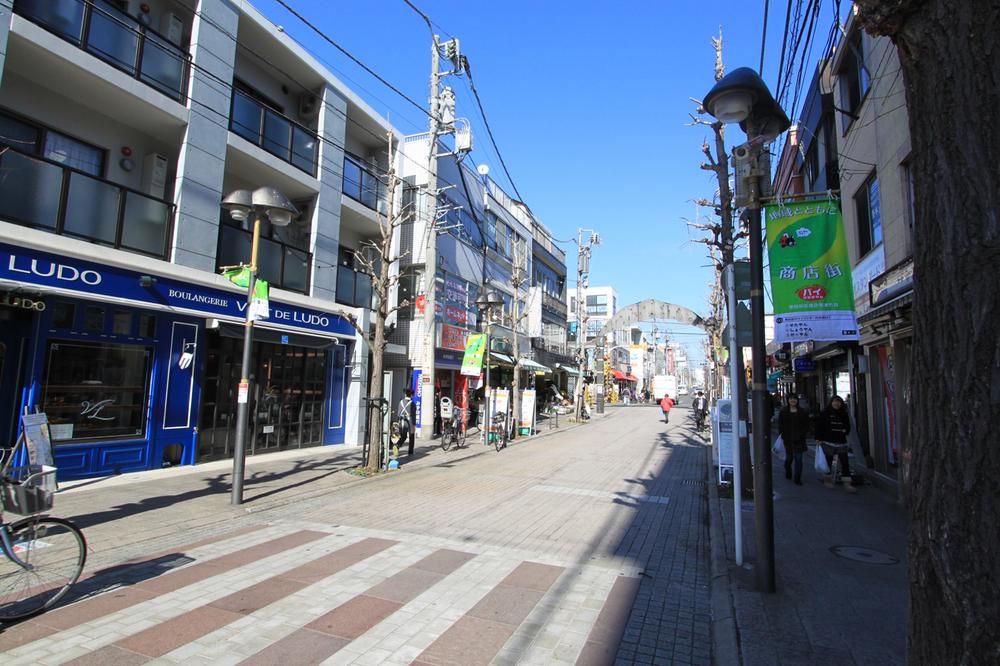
(417, 387)
(810, 272)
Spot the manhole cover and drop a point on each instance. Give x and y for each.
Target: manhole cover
(866, 555)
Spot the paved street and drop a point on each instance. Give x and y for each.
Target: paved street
(588, 545)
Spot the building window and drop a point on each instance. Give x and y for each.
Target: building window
(354, 288)
(866, 203)
(812, 163)
(55, 146)
(854, 77)
(95, 390)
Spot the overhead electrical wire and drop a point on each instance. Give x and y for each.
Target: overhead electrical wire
(763, 39)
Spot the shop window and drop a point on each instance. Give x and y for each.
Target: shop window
(93, 319)
(147, 326)
(95, 390)
(63, 314)
(121, 324)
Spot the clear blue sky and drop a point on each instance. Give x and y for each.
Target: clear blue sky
(589, 105)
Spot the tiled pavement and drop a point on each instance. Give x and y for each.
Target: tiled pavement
(589, 548)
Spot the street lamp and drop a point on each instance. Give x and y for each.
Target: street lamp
(486, 301)
(245, 205)
(742, 97)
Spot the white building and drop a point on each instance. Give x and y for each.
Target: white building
(122, 133)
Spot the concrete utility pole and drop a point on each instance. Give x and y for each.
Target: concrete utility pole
(442, 121)
(429, 215)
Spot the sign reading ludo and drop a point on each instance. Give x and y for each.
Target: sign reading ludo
(810, 272)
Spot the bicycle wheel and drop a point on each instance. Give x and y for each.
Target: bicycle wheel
(55, 552)
(463, 435)
(447, 438)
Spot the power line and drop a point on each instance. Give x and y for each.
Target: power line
(347, 53)
(784, 45)
(763, 40)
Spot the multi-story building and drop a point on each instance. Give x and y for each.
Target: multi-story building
(484, 238)
(122, 131)
(548, 329)
(854, 137)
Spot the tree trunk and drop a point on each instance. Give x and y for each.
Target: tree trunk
(374, 460)
(950, 57)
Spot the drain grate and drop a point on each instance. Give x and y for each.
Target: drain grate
(693, 482)
(866, 555)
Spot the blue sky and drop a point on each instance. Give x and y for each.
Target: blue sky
(589, 105)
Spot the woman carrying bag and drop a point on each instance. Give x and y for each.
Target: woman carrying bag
(832, 429)
(793, 427)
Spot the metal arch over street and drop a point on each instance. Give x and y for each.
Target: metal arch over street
(651, 309)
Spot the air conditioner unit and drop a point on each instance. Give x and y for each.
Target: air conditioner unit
(308, 105)
(172, 27)
(154, 174)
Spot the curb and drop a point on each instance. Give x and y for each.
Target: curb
(725, 642)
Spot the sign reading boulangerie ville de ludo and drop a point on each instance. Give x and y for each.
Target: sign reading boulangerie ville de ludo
(810, 272)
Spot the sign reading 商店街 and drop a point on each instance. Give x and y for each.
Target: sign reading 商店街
(810, 272)
(475, 347)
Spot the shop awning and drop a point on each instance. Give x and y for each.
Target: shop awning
(618, 374)
(568, 369)
(631, 378)
(496, 358)
(528, 364)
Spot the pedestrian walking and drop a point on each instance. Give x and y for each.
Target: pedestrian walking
(406, 414)
(793, 428)
(665, 406)
(832, 428)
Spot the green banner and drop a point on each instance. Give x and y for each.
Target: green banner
(475, 348)
(810, 272)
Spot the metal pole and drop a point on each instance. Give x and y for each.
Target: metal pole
(243, 391)
(430, 255)
(580, 329)
(487, 394)
(734, 413)
(763, 499)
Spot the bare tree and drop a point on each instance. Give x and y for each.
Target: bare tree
(375, 259)
(722, 235)
(949, 54)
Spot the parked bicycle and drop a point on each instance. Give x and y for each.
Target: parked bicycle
(454, 430)
(500, 430)
(43, 556)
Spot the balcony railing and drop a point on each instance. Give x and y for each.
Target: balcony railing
(353, 288)
(552, 303)
(276, 133)
(103, 30)
(282, 265)
(362, 185)
(39, 193)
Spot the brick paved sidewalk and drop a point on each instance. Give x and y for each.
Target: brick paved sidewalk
(841, 577)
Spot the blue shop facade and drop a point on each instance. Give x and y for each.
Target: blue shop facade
(138, 371)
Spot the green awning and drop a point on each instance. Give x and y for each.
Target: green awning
(496, 358)
(569, 369)
(528, 364)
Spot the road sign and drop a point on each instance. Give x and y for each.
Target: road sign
(742, 280)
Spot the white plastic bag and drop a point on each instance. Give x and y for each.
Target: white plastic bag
(778, 448)
(821, 465)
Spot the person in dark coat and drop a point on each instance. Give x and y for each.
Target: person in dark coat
(832, 428)
(793, 426)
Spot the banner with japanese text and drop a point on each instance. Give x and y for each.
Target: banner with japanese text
(475, 348)
(810, 272)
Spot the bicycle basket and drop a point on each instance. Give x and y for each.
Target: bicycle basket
(33, 492)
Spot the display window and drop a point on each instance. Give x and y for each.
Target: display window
(95, 391)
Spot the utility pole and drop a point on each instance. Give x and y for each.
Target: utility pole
(442, 121)
(582, 268)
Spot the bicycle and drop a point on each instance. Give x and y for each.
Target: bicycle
(499, 431)
(43, 556)
(454, 430)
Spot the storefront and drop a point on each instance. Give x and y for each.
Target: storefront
(887, 337)
(140, 370)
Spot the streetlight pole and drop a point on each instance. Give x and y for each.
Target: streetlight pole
(243, 205)
(487, 300)
(742, 96)
(582, 273)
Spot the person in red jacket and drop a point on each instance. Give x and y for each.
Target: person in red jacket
(666, 404)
